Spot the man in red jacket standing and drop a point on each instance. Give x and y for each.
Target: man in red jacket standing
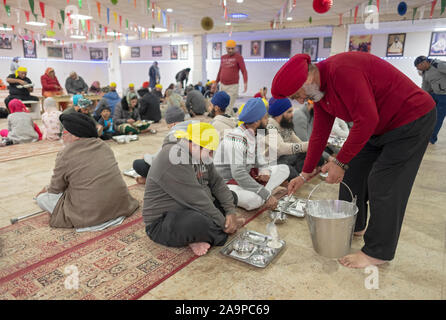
(228, 74)
(393, 120)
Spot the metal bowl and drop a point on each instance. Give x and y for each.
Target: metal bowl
(266, 251)
(323, 175)
(278, 216)
(121, 140)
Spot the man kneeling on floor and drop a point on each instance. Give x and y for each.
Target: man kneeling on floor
(186, 202)
(86, 190)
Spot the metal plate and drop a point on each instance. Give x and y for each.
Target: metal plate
(336, 141)
(260, 256)
(294, 208)
(131, 173)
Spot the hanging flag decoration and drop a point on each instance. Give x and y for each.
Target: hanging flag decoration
(42, 8)
(127, 23)
(8, 10)
(432, 8)
(159, 15)
(153, 11)
(88, 26)
(60, 25)
(414, 12)
(27, 16)
(120, 22)
(52, 24)
(62, 15)
(114, 2)
(340, 19)
(322, 6)
(377, 4)
(31, 5)
(134, 3)
(164, 19)
(402, 8)
(108, 16)
(98, 4)
(356, 13)
(310, 20)
(115, 16)
(443, 6)
(148, 6)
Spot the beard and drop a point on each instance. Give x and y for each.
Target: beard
(313, 92)
(261, 127)
(287, 123)
(212, 113)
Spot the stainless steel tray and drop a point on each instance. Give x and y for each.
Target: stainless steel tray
(131, 173)
(336, 141)
(260, 248)
(291, 206)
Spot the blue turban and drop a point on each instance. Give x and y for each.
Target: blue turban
(278, 106)
(253, 111)
(221, 99)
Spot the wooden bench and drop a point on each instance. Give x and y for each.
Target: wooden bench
(36, 110)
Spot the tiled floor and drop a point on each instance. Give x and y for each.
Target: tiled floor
(417, 272)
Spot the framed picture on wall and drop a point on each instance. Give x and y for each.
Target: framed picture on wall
(157, 51)
(395, 45)
(96, 54)
(238, 48)
(184, 51)
(135, 52)
(361, 43)
(310, 46)
(256, 48)
(173, 52)
(5, 43)
(54, 52)
(29, 49)
(68, 53)
(438, 44)
(327, 42)
(216, 50)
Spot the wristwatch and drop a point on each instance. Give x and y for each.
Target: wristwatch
(342, 165)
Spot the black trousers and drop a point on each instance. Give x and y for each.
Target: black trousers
(382, 175)
(141, 167)
(295, 162)
(182, 227)
(20, 97)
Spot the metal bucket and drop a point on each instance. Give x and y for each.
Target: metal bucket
(331, 224)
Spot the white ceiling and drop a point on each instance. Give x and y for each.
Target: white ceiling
(188, 15)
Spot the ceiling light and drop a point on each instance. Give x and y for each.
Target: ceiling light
(289, 18)
(49, 39)
(169, 10)
(158, 29)
(228, 23)
(238, 15)
(5, 29)
(440, 29)
(75, 36)
(80, 17)
(111, 34)
(36, 23)
(239, 1)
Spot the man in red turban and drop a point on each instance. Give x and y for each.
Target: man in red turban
(393, 120)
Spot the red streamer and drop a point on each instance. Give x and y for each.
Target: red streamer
(340, 19)
(120, 22)
(98, 4)
(52, 24)
(42, 8)
(377, 4)
(27, 15)
(356, 13)
(432, 8)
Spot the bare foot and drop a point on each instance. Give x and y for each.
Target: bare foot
(359, 260)
(359, 233)
(141, 180)
(200, 248)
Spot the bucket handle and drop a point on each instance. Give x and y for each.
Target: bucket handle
(351, 193)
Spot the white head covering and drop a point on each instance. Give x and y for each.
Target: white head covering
(50, 105)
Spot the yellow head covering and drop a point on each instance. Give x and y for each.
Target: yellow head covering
(159, 86)
(266, 103)
(131, 85)
(202, 134)
(240, 111)
(113, 84)
(20, 69)
(230, 44)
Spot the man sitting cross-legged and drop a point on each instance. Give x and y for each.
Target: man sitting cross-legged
(240, 152)
(186, 202)
(86, 189)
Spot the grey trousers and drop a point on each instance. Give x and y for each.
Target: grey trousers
(47, 201)
(382, 175)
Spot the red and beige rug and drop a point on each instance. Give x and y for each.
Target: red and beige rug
(19, 151)
(38, 262)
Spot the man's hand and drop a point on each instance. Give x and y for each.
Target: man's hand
(271, 203)
(246, 87)
(335, 172)
(263, 178)
(298, 182)
(22, 82)
(42, 191)
(231, 223)
(130, 121)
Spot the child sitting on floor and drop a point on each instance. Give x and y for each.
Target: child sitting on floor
(107, 123)
(21, 128)
(52, 128)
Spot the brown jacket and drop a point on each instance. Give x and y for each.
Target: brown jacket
(87, 174)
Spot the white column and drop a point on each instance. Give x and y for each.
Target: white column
(114, 66)
(199, 56)
(340, 39)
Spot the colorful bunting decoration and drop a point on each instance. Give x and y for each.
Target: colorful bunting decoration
(80, 4)
(31, 5)
(432, 8)
(108, 16)
(62, 15)
(443, 6)
(27, 16)
(115, 15)
(356, 13)
(98, 4)
(8, 10)
(42, 8)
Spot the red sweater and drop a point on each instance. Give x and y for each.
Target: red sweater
(49, 84)
(367, 90)
(229, 69)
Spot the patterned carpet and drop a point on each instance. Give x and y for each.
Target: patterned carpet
(19, 151)
(38, 262)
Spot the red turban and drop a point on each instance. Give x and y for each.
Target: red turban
(145, 85)
(291, 76)
(322, 6)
